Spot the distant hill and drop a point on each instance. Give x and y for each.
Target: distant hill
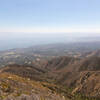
(45, 52)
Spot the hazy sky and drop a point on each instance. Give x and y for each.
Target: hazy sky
(49, 15)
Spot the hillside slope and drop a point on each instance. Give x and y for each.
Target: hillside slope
(14, 87)
(71, 78)
(83, 75)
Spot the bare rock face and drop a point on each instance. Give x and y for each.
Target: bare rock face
(89, 84)
(35, 97)
(23, 97)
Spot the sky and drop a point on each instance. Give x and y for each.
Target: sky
(50, 16)
(25, 23)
